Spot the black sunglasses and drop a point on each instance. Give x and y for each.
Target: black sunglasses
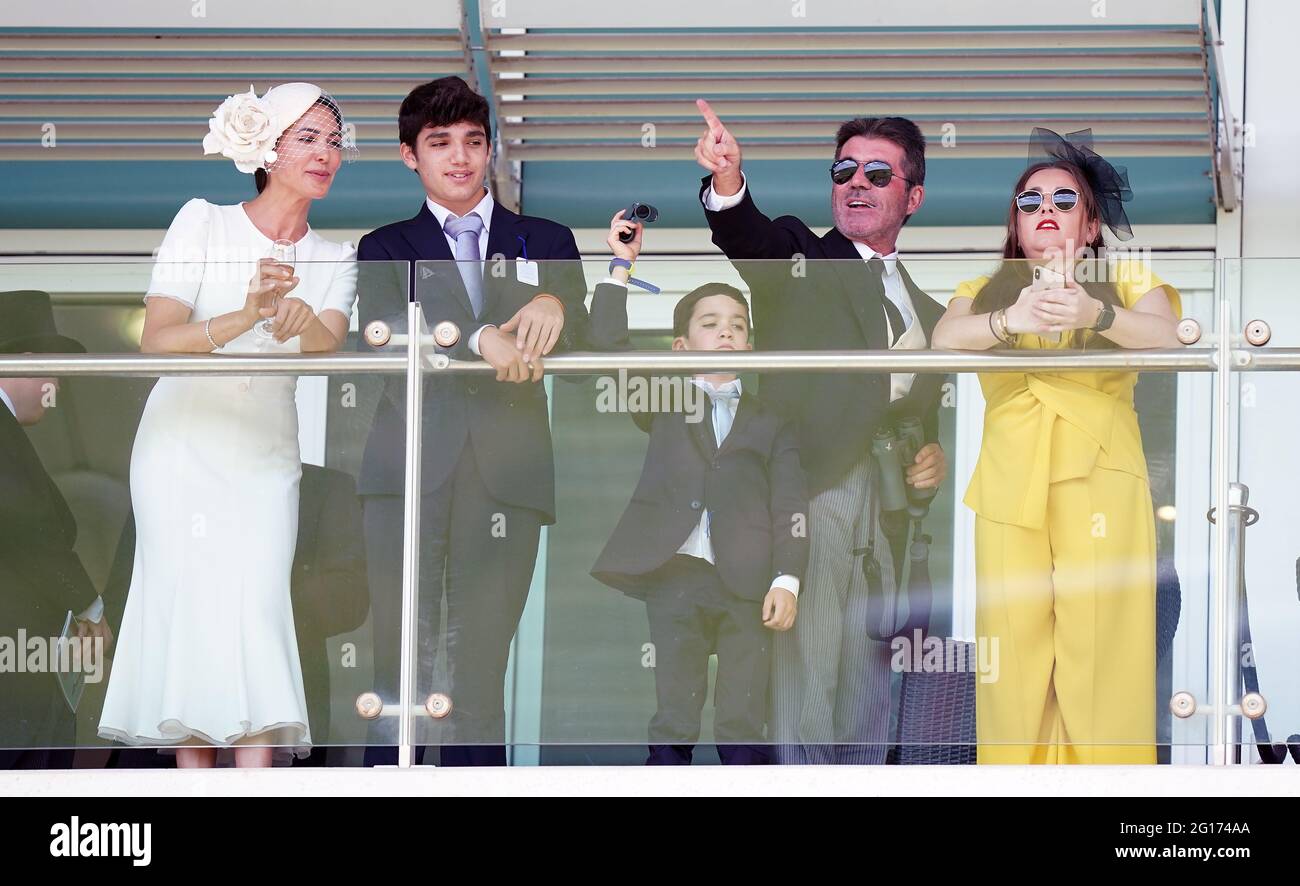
(877, 172)
(1064, 199)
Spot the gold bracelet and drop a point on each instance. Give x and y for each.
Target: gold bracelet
(996, 320)
(1012, 337)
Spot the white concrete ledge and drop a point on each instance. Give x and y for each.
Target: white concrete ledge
(883, 781)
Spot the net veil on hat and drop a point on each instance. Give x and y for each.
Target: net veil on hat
(1109, 183)
(247, 129)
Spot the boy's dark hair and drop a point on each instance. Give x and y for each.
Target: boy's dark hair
(899, 130)
(685, 308)
(441, 102)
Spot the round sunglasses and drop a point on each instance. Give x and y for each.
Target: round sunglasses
(877, 172)
(1064, 199)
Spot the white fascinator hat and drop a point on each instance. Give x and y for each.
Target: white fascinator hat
(245, 128)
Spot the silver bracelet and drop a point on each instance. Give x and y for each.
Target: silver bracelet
(207, 330)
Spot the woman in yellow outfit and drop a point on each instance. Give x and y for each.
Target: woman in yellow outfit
(1065, 555)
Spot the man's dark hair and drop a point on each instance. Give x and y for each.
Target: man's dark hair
(685, 308)
(899, 130)
(441, 102)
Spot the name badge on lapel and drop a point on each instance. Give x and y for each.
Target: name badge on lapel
(526, 271)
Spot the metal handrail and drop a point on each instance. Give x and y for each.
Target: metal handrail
(36, 365)
(1269, 359)
(393, 362)
(1227, 172)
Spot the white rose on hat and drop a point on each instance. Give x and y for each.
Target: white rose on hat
(245, 128)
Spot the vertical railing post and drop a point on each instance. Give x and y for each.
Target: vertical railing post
(416, 337)
(1222, 601)
(1238, 496)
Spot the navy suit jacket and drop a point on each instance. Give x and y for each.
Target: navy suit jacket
(833, 306)
(41, 578)
(506, 424)
(752, 486)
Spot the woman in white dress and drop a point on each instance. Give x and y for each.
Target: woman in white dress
(206, 655)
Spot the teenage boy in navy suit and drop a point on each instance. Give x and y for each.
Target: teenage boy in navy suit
(515, 290)
(714, 538)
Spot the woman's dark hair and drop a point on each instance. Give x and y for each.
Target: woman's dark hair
(1014, 274)
(685, 308)
(441, 102)
(260, 176)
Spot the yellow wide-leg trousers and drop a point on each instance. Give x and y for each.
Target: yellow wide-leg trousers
(1069, 613)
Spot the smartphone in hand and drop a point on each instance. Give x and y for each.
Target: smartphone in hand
(1047, 278)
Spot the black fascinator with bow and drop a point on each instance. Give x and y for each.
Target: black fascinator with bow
(1109, 183)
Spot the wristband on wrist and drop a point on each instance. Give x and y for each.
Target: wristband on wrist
(631, 266)
(551, 297)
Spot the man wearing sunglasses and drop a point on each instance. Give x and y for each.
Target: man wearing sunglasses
(831, 681)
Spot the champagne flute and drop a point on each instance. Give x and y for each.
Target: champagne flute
(282, 252)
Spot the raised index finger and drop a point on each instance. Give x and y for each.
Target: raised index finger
(715, 125)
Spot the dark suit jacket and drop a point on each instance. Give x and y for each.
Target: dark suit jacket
(328, 583)
(752, 486)
(41, 579)
(835, 305)
(505, 423)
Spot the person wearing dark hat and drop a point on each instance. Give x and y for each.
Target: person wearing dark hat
(1065, 546)
(43, 583)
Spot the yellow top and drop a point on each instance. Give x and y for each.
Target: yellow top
(1043, 427)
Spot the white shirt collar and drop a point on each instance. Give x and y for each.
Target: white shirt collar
(708, 386)
(8, 402)
(484, 210)
(867, 253)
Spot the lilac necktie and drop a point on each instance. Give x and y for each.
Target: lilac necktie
(466, 231)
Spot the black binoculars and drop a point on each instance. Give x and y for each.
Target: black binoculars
(895, 449)
(638, 212)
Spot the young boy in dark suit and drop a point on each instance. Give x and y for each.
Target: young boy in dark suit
(714, 538)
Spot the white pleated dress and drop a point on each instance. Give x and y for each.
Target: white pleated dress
(206, 652)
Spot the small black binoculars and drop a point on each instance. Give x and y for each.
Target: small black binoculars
(637, 212)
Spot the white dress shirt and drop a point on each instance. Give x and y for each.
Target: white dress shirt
(911, 338)
(95, 611)
(698, 543)
(484, 210)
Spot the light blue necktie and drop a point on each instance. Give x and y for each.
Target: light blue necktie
(722, 416)
(465, 231)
